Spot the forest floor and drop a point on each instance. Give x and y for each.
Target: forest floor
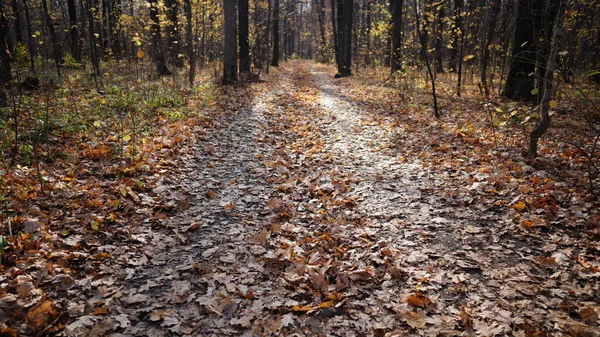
(313, 206)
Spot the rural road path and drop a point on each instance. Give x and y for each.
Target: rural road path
(303, 221)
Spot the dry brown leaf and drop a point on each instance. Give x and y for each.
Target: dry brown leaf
(588, 314)
(100, 311)
(260, 238)
(418, 300)
(41, 314)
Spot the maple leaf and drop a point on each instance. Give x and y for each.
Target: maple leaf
(41, 314)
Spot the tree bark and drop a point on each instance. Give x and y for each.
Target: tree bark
(29, 35)
(396, 53)
(74, 31)
(158, 56)
(457, 33)
(53, 37)
(520, 80)
(189, 40)
(244, 41)
(230, 55)
(544, 123)
(322, 30)
(5, 68)
(369, 23)
(439, 39)
(345, 15)
(334, 29)
(94, 54)
(17, 13)
(491, 28)
(172, 32)
(276, 38)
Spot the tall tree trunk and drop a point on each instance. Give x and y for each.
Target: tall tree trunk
(243, 37)
(172, 32)
(29, 35)
(158, 55)
(53, 37)
(5, 73)
(73, 31)
(457, 33)
(114, 20)
(544, 123)
(322, 30)
(334, 28)
(17, 13)
(396, 53)
(369, 23)
(520, 80)
(423, 41)
(276, 38)
(92, 7)
(345, 14)
(491, 28)
(230, 55)
(439, 39)
(189, 40)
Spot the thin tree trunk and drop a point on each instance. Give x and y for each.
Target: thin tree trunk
(439, 39)
(189, 40)
(491, 22)
(172, 33)
(369, 23)
(5, 73)
(73, 31)
(396, 7)
(244, 42)
(94, 55)
(230, 55)
(29, 35)
(549, 89)
(334, 27)
(423, 41)
(17, 13)
(53, 38)
(457, 33)
(158, 56)
(276, 38)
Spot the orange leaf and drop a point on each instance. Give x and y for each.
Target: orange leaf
(211, 194)
(301, 308)
(8, 332)
(520, 206)
(418, 300)
(100, 311)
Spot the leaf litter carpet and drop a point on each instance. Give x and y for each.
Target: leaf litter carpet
(299, 221)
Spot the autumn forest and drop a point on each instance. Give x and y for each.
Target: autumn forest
(299, 168)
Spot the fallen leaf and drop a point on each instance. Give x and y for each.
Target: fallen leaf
(418, 300)
(40, 315)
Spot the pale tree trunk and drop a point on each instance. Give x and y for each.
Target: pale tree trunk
(549, 89)
(230, 54)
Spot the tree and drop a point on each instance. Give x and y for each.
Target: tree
(230, 54)
(457, 34)
(172, 33)
(276, 52)
(520, 80)
(491, 28)
(244, 41)
(345, 15)
(53, 37)
(549, 89)
(396, 11)
(73, 30)
(189, 40)
(5, 73)
(439, 40)
(158, 56)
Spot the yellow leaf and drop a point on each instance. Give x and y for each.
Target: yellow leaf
(520, 206)
(535, 91)
(299, 308)
(126, 138)
(553, 104)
